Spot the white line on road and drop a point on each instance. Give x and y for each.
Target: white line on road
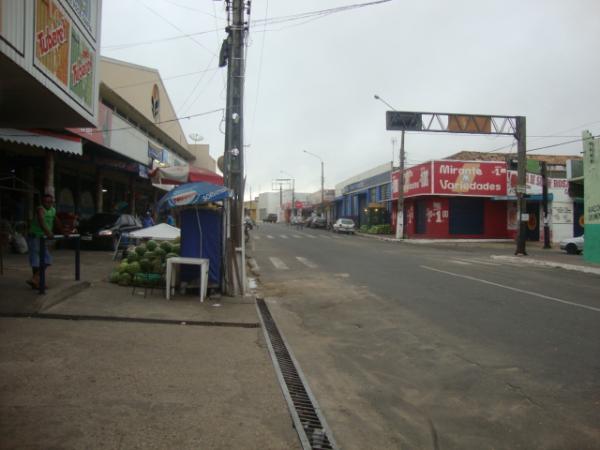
(296, 236)
(279, 264)
(308, 235)
(306, 262)
(270, 237)
(523, 291)
(458, 261)
(283, 236)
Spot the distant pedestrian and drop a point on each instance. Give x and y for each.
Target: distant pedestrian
(42, 225)
(148, 221)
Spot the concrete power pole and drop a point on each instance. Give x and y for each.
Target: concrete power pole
(521, 184)
(234, 147)
(400, 206)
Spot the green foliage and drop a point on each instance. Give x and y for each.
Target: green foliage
(364, 228)
(380, 229)
(151, 245)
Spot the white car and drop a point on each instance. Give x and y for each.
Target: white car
(343, 226)
(573, 246)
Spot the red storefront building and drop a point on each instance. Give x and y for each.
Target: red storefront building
(446, 199)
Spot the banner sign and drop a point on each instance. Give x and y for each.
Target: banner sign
(52, 32)
(81, 75)
(479, 178)
(417, 181)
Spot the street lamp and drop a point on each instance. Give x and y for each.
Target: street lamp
(322, 176)
(400, 207)
(293, 190)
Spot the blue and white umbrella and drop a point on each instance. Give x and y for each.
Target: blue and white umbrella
(193, 194)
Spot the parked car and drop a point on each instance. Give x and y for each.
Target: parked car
(103, 230)
(343, 226)
(318, 222)
(271, 218)
(573, 246)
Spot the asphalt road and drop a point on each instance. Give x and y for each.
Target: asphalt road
(417, 347)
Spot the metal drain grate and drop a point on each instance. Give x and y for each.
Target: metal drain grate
(308, 419)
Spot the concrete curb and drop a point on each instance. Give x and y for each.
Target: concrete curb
(45, 302)
(436, 241)
(537, 262)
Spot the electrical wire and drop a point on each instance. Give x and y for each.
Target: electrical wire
(125, 86)
(116, 47)
(191, 116)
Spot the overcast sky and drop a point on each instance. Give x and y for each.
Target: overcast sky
(310, 83)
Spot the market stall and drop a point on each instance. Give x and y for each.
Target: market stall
(200, 214)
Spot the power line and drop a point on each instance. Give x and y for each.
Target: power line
(124, 86)
(189, 8)
(129, 127)
(116, 47)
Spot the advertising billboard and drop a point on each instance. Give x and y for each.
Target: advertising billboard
(52, 32)
(417, 181)
(81, 75)
(471, 178)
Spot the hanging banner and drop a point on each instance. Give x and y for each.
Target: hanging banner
(52, 32)
(81, 76)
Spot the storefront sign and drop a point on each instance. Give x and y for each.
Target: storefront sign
(481, 178)
(417, 181)
(52, 33)
(83, 9)
(156, 153)
(116, 164)
(81, 75)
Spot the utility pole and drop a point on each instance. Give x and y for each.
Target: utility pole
(234, 148)
(521, 184)
(400, 206)
(545, 205)
(322, 185)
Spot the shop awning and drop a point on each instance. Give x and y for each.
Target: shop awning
(43, 139)
(184, 174)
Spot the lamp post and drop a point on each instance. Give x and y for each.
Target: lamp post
(293, 190)
(400, 206)
(322, 176)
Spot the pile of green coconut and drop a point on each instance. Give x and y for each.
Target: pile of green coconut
(148, 258)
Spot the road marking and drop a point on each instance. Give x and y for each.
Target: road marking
(479, 261)
(270, 237)
(306, 262)
(283, 236)
(296, 236)
(279, 264)
(523, 291)
(458, 261)
(308, 235)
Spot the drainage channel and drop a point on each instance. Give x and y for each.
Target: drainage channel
(308, 419)
(129, 319)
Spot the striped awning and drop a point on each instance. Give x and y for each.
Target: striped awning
(43, 139)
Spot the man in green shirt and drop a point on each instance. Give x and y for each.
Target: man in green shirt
(42, 226)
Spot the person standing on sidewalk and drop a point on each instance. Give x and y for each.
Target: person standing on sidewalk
(42, 225)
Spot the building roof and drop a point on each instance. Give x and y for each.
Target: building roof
(493, 156)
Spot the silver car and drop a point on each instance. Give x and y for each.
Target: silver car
(343, 226)
(573, 246)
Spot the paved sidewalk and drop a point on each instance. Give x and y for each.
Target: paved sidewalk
(201, 378)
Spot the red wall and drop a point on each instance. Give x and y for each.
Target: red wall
(438, 214)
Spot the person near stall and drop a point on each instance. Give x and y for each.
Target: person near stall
(43, 224)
